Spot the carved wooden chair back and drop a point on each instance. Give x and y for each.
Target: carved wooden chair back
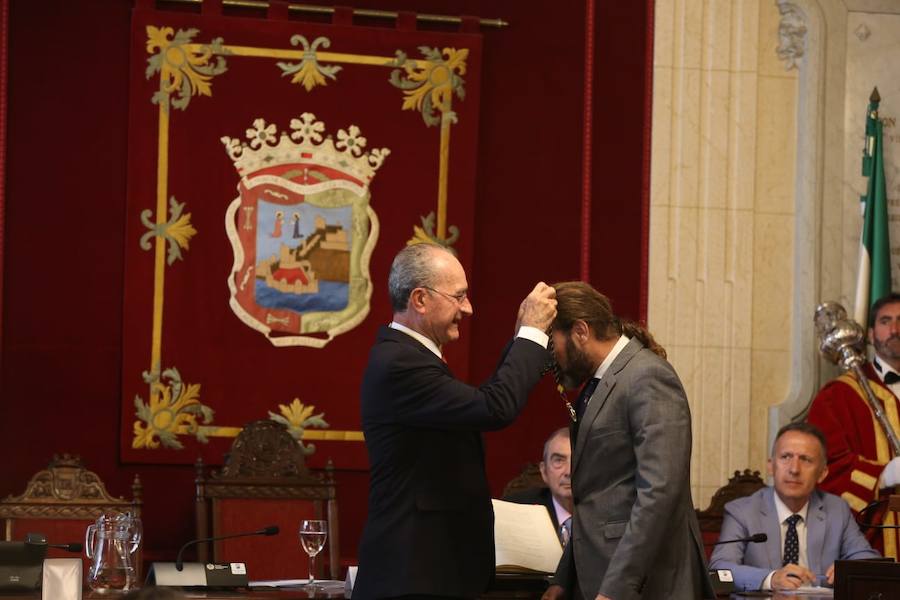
(61, 501)
(265, 481)
(741, 484)
(528, 479)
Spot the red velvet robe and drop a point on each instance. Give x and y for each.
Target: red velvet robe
(857, 447)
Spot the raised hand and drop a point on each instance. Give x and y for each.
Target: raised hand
(538, 309)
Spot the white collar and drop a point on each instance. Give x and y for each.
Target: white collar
(882, 368)
(428, 343)
(784, 512)
(617, 347)
(561, 513)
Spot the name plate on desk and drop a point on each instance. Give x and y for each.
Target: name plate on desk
(872, 578)
(220, 575)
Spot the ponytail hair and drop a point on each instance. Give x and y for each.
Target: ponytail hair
(578, 301)
(632, 330)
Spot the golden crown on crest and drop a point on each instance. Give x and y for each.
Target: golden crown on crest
(305, 143)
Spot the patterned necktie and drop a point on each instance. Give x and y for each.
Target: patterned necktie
(565, 531)
(791, 542)
(890, 378)
(586, 392)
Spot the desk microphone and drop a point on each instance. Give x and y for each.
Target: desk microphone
(756, 538)
(38, 539)
(67, 547)
(270, 530)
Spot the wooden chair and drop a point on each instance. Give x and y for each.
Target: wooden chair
(529, 478)
(265, 481)
(740, 485)
(61, 501)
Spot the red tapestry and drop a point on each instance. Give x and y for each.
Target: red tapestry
(275, 167)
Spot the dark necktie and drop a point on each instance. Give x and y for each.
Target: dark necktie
(565, 531)
(586, 392)
(890, 378)
(791, 542)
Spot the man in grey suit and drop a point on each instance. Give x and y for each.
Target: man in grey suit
(806, 529)
(635, 531)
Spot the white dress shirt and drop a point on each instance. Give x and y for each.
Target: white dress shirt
(616, 349)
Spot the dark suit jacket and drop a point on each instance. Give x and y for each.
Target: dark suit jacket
(537, 496)
(831, 534)
(635, 530)
(430, 525)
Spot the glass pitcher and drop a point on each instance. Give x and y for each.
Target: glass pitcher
(111, 543)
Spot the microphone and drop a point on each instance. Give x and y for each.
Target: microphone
(38, 539)
(756, 538)
(68, 547)
(270, 530)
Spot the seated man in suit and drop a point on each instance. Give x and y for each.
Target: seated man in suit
(555, 472)
(807, 529)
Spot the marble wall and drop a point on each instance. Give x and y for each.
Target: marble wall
(757, 130)
(721, 219)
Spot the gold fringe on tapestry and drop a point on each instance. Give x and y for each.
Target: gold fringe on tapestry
(361, 12)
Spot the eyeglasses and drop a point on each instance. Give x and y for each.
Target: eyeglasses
(460, 297)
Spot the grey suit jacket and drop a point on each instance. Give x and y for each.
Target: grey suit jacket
(635, 530)
(831, 534)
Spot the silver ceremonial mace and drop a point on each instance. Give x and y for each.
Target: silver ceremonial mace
(842, 341)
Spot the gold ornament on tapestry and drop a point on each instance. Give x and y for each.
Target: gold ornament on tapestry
(308, 72)
(296, 417)
(184, 67)
(426, 234)
(177, 231)
(173, 410)
(429, 85)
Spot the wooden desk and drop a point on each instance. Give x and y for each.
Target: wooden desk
(778, 596)
(253, 593)
(505, 587)
(517, 587)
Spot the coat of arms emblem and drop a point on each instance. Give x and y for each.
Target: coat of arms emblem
(302, 230)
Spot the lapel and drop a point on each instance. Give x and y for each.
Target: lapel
(600, 395)
(816, 526)
(769, 519)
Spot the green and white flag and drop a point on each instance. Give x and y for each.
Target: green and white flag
(873, 279)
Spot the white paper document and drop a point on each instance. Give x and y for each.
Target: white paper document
(324, 583)
(524, 538)
(808, 590)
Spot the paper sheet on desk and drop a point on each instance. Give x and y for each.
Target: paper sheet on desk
(325, 583)
(808, 590)
(524, 538)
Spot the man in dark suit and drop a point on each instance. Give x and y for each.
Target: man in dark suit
(635, 531)
(794, 514)
(429, 531)
(556, 473)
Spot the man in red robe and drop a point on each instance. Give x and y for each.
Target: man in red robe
(861, 463)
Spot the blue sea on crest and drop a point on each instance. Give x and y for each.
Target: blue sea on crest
(332, 296)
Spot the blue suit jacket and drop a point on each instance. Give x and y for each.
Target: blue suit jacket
(831, 534)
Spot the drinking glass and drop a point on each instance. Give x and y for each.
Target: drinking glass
(312, 538)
